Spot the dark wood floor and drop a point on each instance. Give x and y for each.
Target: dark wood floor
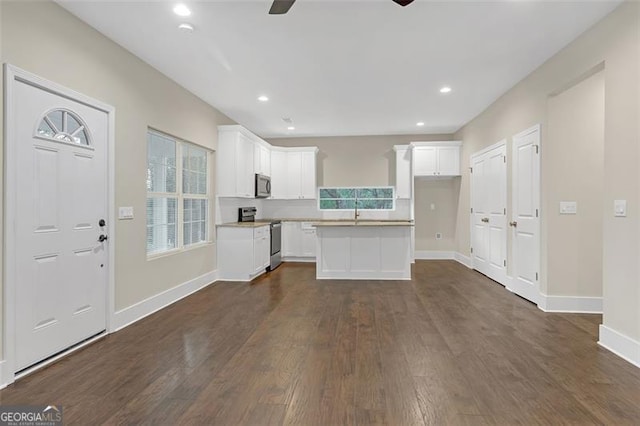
(449, 347)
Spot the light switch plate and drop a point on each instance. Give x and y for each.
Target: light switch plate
(620, 208)
(125, 213)
(568, 207)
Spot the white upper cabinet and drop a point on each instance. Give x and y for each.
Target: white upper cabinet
(235, 162)
(437, 159)
(293, 173)
(244, 167)
(241, 154)
(308, 174)
(262, 159)
(403, 171)
(278, 174)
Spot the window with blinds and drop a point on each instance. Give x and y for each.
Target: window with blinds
(177, 194)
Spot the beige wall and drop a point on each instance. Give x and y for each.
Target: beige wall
(44, 39)
(443, 194)
(575, 152)
(370, 160)
(356, 160)
(614, 41)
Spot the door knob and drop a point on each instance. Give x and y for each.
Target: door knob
(102, 238)
(101, 223)
(514, 224)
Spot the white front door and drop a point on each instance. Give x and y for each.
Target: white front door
(525, 224)
(489, 200)
(59, 199)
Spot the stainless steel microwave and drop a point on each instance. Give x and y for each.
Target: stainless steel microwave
(263, 186)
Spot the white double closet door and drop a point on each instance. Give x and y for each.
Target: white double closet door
(490, 226)
(489, 212)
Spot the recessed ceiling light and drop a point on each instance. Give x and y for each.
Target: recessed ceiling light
(291, 128)
(263, 98)
(181, 9)
(420, 124)
(445, 89)
(186, 27)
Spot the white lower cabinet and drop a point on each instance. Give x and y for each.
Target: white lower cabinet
(290, 239)
(298, 241)
(308, 241)
(243, 252)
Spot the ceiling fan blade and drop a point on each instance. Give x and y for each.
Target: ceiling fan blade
(403, 2)
(280, 7)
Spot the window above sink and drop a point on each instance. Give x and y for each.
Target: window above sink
(364, 198)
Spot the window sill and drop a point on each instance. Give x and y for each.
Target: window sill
(175, 251)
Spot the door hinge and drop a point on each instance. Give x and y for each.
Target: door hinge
(471, 170)
(536, 212)
(471, 209)
(505, 210)
(504, 262)
(536, 276)
(505, 158)
(471, 249)
(537, 149)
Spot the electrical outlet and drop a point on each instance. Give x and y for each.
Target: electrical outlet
(438, 235)
(620, 208)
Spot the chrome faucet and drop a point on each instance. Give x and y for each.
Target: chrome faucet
(356, 214)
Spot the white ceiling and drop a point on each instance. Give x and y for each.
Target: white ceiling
(361, 67)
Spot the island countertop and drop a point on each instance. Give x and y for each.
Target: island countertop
(363, 223)
(321, 222)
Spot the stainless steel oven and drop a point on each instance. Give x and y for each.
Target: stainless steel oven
(276, 244)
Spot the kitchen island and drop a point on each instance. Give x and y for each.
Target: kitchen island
(363, 250)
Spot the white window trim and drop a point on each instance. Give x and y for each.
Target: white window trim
(393, 192)
(180, 196)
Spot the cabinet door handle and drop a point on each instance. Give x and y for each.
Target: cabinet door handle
(485, 219)
(513, 224)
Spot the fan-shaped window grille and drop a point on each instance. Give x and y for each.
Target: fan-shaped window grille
(65, 126)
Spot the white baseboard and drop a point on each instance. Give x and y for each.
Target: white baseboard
(4, 375)
(299, 259)
(433, 255)
(443, 255)
(134, 313)
(570, 304)
(623, 346)
(465, 260)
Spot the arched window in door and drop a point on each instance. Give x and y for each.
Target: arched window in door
(64, 126)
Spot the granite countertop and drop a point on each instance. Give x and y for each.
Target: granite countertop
(322, 222)
(364, 223)
(243, 224)
(319, 220)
